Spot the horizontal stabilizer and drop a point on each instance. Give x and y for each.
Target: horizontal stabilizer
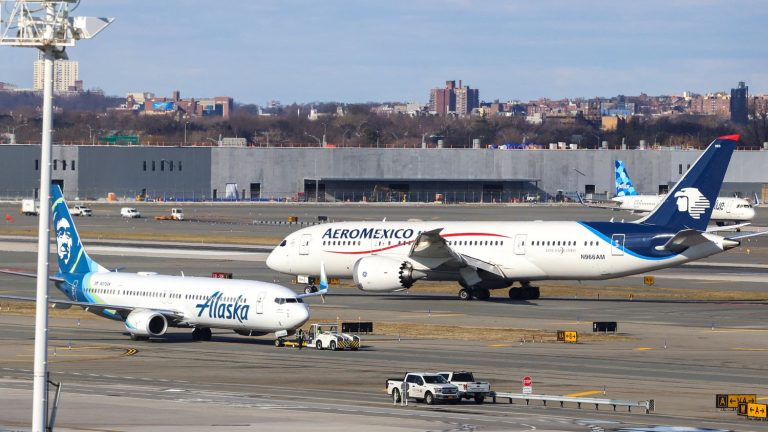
(726, 227)
(683, 240)
(121, 310)
(746, 235)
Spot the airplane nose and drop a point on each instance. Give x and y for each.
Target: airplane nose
(302, 316)
(276, 261)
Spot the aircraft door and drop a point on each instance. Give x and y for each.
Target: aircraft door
(520, 244)
(617, 244)
(260, 302)
(306, 239)
(728, 206)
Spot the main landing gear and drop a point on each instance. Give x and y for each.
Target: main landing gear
(525, 292)
(201, 334)
(474, 292)
(309, 289)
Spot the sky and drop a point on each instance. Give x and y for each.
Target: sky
(397, 50)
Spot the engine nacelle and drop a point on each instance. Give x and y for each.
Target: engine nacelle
(384, 274)
(143, 322)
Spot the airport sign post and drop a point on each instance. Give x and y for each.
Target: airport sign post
(47, 26)
(527, 385)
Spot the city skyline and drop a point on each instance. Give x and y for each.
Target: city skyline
(298, 51)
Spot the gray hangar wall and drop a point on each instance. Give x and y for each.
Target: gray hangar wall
(195, 172)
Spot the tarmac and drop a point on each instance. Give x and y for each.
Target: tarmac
(680, 353)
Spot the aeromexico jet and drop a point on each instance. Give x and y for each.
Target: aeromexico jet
(480, 256)
(726, 211)
(149, 303)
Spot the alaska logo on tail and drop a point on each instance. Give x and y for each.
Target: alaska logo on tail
(623, 182)
(70, 251)
(689, 204)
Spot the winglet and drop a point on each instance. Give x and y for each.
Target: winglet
(323, 286)
(323, 279)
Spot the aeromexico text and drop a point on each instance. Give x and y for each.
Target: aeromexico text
(368, 233)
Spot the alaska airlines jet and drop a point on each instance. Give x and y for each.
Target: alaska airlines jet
(480, 256)
(149, 303)
(726, 211)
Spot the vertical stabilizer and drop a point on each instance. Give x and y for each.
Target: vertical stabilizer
(690, 203)
(70, 252)
(623, 182)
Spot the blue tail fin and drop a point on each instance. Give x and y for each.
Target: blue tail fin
(689, 204)
(69, 249)
(623, 183)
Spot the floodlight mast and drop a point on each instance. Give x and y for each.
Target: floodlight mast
(47, 26)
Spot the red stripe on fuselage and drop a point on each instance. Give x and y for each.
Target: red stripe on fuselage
(411, 241)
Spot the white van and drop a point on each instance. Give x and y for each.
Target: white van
(129, 212)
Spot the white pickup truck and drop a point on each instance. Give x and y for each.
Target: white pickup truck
(468, 387)
(81, 210)
(427, 387)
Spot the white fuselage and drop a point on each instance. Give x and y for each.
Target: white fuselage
(523, 251)
(202, 302)
(727, 209)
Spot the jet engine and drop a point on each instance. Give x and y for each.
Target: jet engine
(384, 274)
(143, 322)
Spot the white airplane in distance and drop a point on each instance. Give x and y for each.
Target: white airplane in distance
(726, 211)
(480, 256)
(149, 303)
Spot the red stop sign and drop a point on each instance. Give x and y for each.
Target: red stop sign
(527, 381)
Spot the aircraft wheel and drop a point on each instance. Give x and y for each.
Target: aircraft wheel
(464, 294)
(516, 293)
(482, 294)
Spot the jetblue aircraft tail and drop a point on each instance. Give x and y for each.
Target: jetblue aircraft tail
(623, 183)
(690, 203)
(71, 253)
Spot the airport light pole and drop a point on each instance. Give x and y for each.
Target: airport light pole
(47, 26)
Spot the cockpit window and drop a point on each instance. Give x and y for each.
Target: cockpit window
(283, 243)
(288, 300)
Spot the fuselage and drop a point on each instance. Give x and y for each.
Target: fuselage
(203, 302)
(726, 209)
(523, 251)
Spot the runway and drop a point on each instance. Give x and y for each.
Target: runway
(678, 352)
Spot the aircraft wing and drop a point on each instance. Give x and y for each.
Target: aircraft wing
(683, 240)
(432, 245)
(29, 275)
(592, 205)
(89, 307)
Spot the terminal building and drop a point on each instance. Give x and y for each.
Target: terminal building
(357, 174)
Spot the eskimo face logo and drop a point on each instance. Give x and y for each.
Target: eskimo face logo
(692, 201)
(64, 240)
